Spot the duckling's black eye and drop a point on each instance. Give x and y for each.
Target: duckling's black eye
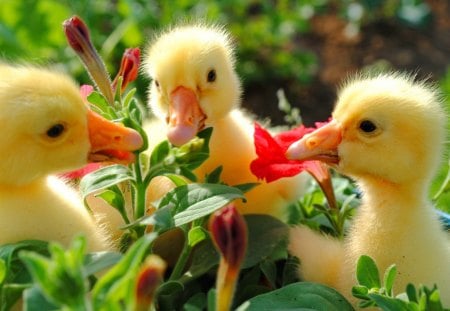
(367, 126)
(55, 131)
(157, 83)
(211, 75)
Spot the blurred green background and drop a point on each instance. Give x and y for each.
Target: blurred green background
(304, 47)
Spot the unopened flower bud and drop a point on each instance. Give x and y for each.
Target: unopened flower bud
(129, 68)
(229, 234)
(78, 37)
(148, 279)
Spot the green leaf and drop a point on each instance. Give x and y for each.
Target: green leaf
(211, 299)
(196, 303)
(214, 176)
(389, 277)
(17, 277)
(103, 178)
(116, 283)
(298, 296)
(96, 262)
(194, 201)
(269, 270)
(388, 303)
(367, 272)
(160, 152)
(411, 292)
(61, 278)
(360, 291)
(2, 271)
(204, 258)
(196, 235)
(247, 186)
(177, 179)
(169, 294)
(266, 235)
(190, 156)
(114, 197)
(100, 104)
(34, 299)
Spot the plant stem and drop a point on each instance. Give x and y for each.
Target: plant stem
(444, 185)
(140, 190)
(181, 262)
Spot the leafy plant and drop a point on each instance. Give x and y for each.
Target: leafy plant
(374, 292)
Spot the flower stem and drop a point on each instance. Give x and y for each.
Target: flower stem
(226, 285)
(181, 262)
(140, 189)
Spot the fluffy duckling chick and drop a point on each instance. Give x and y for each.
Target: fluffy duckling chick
(194, 85)
(387, 133)
(50, 130)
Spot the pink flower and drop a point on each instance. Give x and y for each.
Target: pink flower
(86, 90)
(129, 68)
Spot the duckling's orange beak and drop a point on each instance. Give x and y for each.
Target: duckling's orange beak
(321, 145)
(186, 117)
(111, 141)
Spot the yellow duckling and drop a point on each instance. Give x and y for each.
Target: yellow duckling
(48, 129)
(387, 133)
(194, 85)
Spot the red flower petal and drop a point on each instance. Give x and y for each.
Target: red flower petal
(88, 168)
(272, 163)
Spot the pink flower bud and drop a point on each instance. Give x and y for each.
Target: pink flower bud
(129, 67)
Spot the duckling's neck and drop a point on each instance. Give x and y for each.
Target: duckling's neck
(387, 199)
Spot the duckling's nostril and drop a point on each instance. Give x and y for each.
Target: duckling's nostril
(117, 138)
(312, 142)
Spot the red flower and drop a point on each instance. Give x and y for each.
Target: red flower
(272, 163)
(78, 174)
(129, 67)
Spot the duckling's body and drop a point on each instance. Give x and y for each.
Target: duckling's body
(195, 86)
(387, 133)
(47, 210)
(48, 129)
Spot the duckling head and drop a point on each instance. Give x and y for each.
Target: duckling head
(194, 83)
(48, 128)
(386, 129)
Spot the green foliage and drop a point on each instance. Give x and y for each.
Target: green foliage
(313, 210)
(47, 277)
(298, 296)
(441, 185)
(374, 293)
